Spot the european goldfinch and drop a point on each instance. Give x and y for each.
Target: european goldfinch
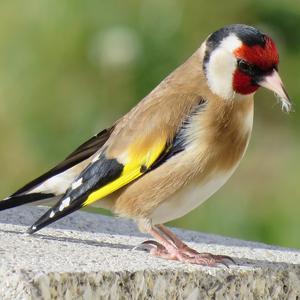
(174, 149)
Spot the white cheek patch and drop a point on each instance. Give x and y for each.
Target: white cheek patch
(221, 66)
(231, 43)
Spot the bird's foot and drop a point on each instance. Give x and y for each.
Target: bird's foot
(207, 258)
(185, 254)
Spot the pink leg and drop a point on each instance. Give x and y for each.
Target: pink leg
(169, 246)
(172, 236)
(163, 247)
(184, 248)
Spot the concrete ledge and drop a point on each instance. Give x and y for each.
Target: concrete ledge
(87, 256)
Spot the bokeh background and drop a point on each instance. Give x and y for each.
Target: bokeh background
(70, 68)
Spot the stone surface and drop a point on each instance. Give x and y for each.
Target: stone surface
(87, 256)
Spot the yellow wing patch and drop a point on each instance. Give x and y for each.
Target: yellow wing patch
(137, 158)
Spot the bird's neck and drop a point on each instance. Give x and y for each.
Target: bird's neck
(230, 126)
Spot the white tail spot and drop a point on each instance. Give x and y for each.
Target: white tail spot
(65, 203)
(77, 184)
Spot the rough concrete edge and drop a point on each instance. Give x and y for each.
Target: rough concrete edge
(15, 284)
(169, 284)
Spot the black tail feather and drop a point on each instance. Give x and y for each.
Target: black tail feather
(18, 200)
(52, 215)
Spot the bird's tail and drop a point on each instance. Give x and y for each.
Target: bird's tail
(17, 200)
(56, 181)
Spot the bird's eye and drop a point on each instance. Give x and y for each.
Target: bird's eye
(244, 66)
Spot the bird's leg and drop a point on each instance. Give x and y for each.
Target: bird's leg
(161, 247)
(184, 248)
(173, 237)
(171, 247)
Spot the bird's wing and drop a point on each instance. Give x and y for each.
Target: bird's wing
(122, 162)
(60, 177)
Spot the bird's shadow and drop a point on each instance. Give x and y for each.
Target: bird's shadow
(72, 240)
(89, 222)
(237, 262)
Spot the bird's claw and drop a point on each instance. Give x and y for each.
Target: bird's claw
(205, 258)
(151, 246)
(208, 259)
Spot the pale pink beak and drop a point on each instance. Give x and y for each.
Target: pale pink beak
(274, 83)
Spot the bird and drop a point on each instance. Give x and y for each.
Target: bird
(174, 149)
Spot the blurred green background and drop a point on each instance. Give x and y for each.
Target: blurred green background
(70, 68)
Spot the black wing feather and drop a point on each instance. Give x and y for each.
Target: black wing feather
(82, 153)
(87, 149)
(93, 177)
(23, 199)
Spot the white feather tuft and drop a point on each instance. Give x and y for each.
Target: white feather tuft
(286, 106)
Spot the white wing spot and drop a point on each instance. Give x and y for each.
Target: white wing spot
(33, 227)
(65, 203)
(77, 184)
(95, 158)
(52, 214)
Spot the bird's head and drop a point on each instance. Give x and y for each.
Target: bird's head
(239, 59)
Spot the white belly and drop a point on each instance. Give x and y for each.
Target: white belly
(188, 198)
(195, 193)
